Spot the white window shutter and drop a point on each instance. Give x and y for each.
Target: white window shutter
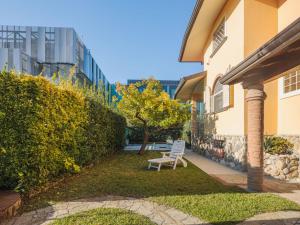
(212, 104)
(207, 99)
(226, 96)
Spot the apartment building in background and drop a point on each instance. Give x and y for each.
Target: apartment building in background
(169, 86)
(48, 50)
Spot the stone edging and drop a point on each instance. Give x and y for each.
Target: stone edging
(158, 214)
(274, 218)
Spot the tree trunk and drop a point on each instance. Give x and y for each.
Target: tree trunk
(145, 141)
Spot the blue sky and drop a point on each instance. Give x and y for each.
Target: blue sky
(128, 38)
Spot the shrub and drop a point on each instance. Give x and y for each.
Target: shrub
(105, 132)
(47, 130)
(186, 134)
(277, 145)
(135, 134)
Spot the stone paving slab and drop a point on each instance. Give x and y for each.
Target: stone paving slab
(158, 214)
(275, 218)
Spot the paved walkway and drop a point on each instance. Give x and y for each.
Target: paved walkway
(158, 214)
(276, 218)
(229, 176)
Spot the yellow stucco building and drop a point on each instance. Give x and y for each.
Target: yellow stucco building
(221, 35)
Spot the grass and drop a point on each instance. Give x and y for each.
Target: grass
(187, 189)
(104, 216)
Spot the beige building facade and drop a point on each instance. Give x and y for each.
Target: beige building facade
(221, 35)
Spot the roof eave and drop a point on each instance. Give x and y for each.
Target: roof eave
(277, 43)
(188, 30)
(186, 78)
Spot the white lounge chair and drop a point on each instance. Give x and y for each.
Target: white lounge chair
(170, 158)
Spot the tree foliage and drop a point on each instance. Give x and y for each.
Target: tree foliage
(145, 104)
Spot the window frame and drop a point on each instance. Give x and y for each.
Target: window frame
(282, 94)
(220, 92)
(215, 49)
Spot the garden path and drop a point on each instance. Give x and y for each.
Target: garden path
(159, 214)
(228, 176)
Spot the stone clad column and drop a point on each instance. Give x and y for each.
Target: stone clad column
(255, 110)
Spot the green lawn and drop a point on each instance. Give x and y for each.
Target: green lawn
(187, 189)
(104, 216)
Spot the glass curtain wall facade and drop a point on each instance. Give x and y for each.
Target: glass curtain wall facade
(49, 50)
(169, 86)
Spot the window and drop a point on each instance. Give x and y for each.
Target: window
(219, 37)
(34, 42)
(172, 91)
(49, 44)
(290, 83)
(12, 37)
(200, 118)
(218, 97)
(165, 88)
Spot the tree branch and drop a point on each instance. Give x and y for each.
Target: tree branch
(137, 115)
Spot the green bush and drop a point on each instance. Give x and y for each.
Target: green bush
(186, 134)
(47, 130)
(135, 134)
(277, 145)
(105, 132)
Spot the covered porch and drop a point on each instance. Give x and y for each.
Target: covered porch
(275, 57)
(191, 88)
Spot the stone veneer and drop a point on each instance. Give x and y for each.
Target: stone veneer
(229, 150)
(283, 167)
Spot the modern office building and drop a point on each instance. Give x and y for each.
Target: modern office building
(48, 50)
(169, 86)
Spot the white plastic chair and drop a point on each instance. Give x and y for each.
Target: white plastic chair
(171, 158)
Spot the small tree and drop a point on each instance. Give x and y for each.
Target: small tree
(145, 104)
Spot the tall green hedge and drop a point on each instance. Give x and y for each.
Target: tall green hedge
(47, 130)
